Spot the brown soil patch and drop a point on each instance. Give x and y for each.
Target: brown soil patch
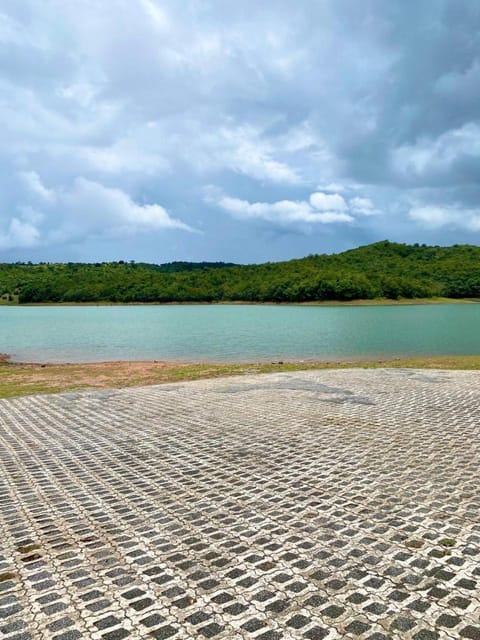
(18, 379)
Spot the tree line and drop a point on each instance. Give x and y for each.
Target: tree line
(380, 270)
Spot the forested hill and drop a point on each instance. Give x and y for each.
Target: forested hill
(380, 270)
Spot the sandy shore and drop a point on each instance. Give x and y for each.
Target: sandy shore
(20, 379)
(314, 303)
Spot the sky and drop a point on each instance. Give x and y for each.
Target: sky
(160, 130)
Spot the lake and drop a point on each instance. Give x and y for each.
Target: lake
(236, 333)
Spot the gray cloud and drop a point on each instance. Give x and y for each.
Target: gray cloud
(116, 116)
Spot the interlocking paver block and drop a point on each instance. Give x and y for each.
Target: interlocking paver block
(315, 505)
(316, 633)
(470, 632)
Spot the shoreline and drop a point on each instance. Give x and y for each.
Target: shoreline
(22, 379)
(313, 303)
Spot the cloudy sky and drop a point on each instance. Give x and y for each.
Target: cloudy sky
(246, 131)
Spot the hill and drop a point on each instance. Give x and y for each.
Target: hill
(381, 270)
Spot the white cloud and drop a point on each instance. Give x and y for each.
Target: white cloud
(300, 138)
(19, 234)
(327, 202)
(29, 214)
(243, 150)
(255, 160)
(433, 156)
(321, 208)
(363, 207)
(123, 157)
(85, 209)
(282, 212)
(101, 209)
(32, 181)
(434, 217)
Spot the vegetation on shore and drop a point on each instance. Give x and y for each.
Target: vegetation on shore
(28, 379)
(382, 270)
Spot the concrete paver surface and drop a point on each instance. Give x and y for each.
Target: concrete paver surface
(329, 504)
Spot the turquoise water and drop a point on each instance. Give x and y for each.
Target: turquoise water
(236, 333)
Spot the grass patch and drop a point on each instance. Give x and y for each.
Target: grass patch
(384, 302)
(448, 542)
(28, 548)
(414, 544)
(7, 575)
(29, 379)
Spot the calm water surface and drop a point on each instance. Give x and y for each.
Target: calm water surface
(236, 333)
